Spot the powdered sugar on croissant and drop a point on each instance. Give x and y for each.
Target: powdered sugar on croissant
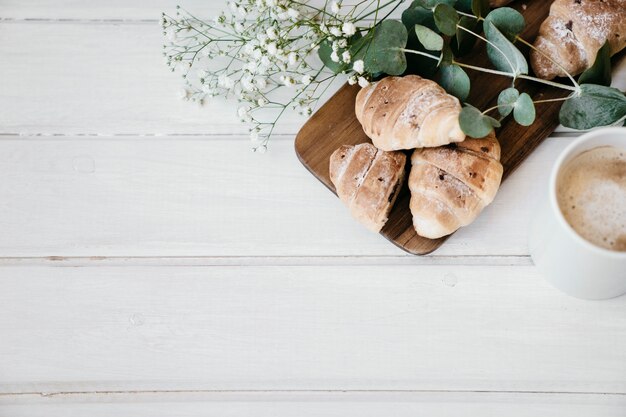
(452, 184)
(574, 32)
(408, 112)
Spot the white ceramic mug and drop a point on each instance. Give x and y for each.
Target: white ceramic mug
(569, 262)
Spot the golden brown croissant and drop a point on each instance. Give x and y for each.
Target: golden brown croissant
(452, 184)
(574, 32)
(367, 180)
(408, 112)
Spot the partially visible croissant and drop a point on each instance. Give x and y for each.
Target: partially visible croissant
(368, 181)
(452, 184)
(574, 32)
(408, 112)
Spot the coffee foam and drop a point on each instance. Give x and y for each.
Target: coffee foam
(591, 192)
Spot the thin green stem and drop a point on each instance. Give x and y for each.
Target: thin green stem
(481, 69)
(531, 46)
(553, 99)
(411, 51)
(551, 83)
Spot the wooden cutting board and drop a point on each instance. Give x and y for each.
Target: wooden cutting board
(335, 124)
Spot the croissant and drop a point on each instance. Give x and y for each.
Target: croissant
(408, 112)
(452, 184)
(368, 181)
(574, 32)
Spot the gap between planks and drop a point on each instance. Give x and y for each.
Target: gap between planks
(254, 261)
(49, 394)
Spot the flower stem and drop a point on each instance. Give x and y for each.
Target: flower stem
(551, 83)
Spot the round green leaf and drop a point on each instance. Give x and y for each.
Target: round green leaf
(428, 38)
(507, 100)
(502, 53)
(524, 111)
(596, 105)
(508, 21)
(418, 15)
(455, 81)
(385, 50)
(446, 19)
(475, 124)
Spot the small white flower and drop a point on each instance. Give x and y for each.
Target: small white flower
(352, 80)
(334, 57)
(306, 79)
(293, 59)
(293, 13)
(335, 7)
(271, 48)
(261, 83)
(244, 114)
(287, 80)
(238, 27)
(261, 149)
(271, 33)
(261, 102)
(363, 82)
(254, 136)
(342, 43)
(262, 37)
(225, 81)
(346, 57)
(359, 66)
(182, 93)
(348, 28)
(246, 83)
(335, 31)
(207, 89)
(323, 28)
(242, 11)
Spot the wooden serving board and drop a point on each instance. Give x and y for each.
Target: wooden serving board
(335, 124)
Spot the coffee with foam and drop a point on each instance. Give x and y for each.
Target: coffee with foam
(591, 192)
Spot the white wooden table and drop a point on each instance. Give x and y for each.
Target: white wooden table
(151, 265)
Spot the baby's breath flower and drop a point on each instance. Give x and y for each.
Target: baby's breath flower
(352, 80)
(346, 57)
(363, 82)
(335, 31)
(306, 79)
(358, 66)
(335, 7)
(334, 57)
(348, 28)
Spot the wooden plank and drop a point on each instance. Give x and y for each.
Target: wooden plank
(458, 328)
(176, 196)
(305, 404)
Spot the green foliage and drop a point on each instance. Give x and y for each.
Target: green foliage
(600, 71)
(385, 49)
(507, 100)
(446, 19)
(476, 124)
(596, 105)
(524, 111)
(464, 42)
(480, 8)
(356, 47)
(429, 38)
(508, 21)
(502, 53)
(416, 14)
(455, 81)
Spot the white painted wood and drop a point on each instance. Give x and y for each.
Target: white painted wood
(308, 404)
(178, 196)
(103, 78)
(453, 328)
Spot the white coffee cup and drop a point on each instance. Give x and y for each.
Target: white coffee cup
(568, 261)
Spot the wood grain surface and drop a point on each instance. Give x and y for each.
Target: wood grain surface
(335, 124)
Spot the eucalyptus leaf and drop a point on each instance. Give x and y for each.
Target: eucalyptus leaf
(418, 15)
(433, 3)
(463, 41)
(524, 111)
(596, 105)
(507, 100)
(502, 53)
(480, 8)
(508, 21)
(446, 19)
(475, 124)
(600, 71)
(384, 53)
(428, 38)
(325, 50)
(455, 81)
